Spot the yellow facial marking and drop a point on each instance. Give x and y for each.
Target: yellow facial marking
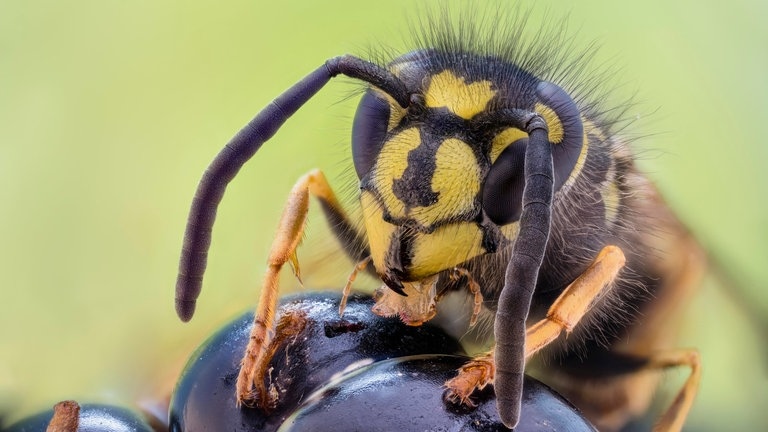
(391, 164)
(379, 231)
(553, 122)
(399, 66)
(504, 139)
(465, 100)
(456, 180)
(447, 246)
(396, 112)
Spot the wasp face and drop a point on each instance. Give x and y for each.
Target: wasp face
(441, 181)
(422, 205)
(422, 171)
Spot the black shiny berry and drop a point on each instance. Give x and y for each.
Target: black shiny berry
(406, 394)
(92, 418)
(326, 345)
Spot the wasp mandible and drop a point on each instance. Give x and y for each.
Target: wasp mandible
(491, 166)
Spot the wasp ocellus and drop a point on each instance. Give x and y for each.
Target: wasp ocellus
(490, 167)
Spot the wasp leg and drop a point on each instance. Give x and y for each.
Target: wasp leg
(563, 315)
(251, 388)
(674, 418)
(66, 417)
(210, 191)
(350, 280)
(289, 325)
(615, 384)
(474, 289)
(612, 387)
(575, 301)
(474, 375)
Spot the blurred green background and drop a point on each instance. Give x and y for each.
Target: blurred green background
(110, 111)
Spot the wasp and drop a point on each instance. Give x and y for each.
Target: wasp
(491, 167)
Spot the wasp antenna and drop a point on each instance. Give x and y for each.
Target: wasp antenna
(371, 73)
(522, 271)
(197, 237)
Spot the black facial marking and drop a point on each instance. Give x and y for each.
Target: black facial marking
(414, 188)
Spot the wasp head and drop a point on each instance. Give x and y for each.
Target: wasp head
(441, 180)
(422, 170)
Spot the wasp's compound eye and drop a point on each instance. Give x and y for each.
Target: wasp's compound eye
(369, 131)
(503, 188)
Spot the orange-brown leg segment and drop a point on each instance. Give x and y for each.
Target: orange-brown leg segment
(575, 300)
(350, 280)
(474, 289)
(617, 383)
(474, 375)
(289, 325)
(251, 389)
(66, 417)
(674, 418)
(564, 314)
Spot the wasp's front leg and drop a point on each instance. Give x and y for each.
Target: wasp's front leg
(251, 387)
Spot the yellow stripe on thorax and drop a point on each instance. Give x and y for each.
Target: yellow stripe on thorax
(610, 194)
(591, 128)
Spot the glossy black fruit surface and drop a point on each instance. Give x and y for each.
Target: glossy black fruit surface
(406, 394)
(93, 418)
(204, 398)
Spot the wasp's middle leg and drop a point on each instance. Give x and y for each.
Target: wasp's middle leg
(615, 384)
(564, 314)
(576, 300)
(251, 388)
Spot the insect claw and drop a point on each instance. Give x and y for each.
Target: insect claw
(294, 260)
